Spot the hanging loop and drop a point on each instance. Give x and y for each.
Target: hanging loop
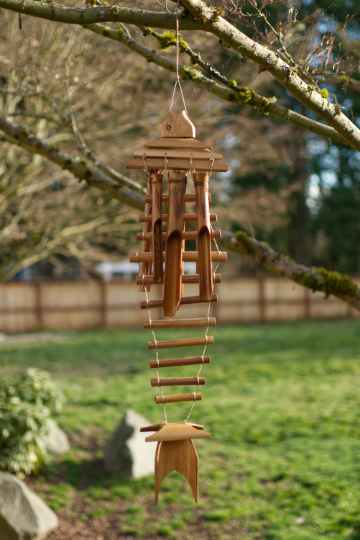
(178, 80)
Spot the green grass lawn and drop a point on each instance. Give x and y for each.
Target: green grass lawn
(282, 402)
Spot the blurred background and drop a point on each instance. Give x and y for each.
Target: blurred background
(281, 399)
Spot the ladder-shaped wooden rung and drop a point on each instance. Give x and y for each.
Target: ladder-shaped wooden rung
(188, 198)
(188, 342)
(186, 278)
(187, 256)
(180, 323)
(188, 235)
(187, 217)
(178, 381)
(186, 300)
(177, 398)
(175, 362)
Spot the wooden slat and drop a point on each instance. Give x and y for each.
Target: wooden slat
(175, 362)
(183, 153)
(177, 164)
(188, 235)
(180, 323)
(187, 256)
(187, 217)
(178, 381)
(186, 279)
(188, 197)
(177, 142)
(186, 300)
(188, 342)
(177, 398)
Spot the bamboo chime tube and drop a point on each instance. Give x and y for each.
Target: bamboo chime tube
(188, 342)
(186, 300)
(176, 362)
(188, 198)
(185, 278)
(145, 268)
(201, 183)
(157, 243)
(178, 381)
(180, 323)
(165, 217)
(188, 235)
(177, 398)
(187, 256)
(174, 243)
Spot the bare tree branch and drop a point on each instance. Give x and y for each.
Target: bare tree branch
(205, 19)
(79, 168)
(95, 14)
(315, 279)
(109, 171)
(243, 96)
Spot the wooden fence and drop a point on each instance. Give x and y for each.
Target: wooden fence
(77, 305)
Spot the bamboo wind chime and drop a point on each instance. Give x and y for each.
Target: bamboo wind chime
(171, 158)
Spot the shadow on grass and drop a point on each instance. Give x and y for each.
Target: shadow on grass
(90, 476)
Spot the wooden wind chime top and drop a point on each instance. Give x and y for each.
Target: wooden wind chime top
(180, 148)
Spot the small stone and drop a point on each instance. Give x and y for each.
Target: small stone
(56, 441)
(127, 452)
(299, 520)
(23, 515)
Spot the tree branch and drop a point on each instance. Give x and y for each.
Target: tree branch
(207, 20)
(109, 171)
(278, 68)
(79, 168)
(315, 279)
(244, 96)
(95, 14)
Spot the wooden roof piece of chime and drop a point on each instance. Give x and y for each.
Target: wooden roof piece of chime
(177, 149)
(178, 432)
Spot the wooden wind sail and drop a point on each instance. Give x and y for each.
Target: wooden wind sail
(163, 243)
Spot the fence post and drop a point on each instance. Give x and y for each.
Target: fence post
(39, 306)
(103, 304)
(262, 302)
(307, 304)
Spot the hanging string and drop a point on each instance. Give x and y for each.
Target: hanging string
(178, 81)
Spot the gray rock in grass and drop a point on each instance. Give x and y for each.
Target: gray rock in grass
(127, 452)
(23, 515)
(56, 441)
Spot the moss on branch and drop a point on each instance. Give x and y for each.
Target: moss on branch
(316, 279)
(168, 39)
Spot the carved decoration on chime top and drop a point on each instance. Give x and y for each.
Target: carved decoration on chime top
(171, 158)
